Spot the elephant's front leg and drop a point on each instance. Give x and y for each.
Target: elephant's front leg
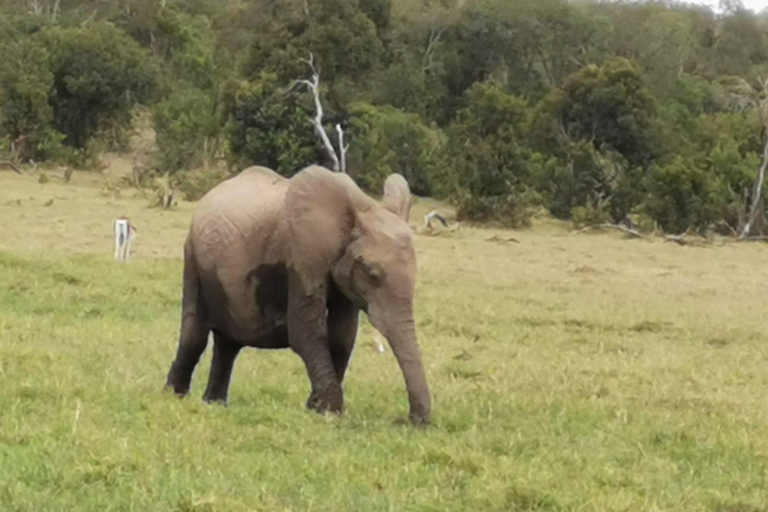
(308, 337)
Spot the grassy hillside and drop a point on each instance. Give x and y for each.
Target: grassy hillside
(580, 372)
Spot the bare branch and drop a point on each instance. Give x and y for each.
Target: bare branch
(89, 18)
(342, 148)
(434, 214)
(628, 232)
(11, 165)
(55, 11)
(314, 86)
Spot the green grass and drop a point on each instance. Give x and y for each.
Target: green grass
(568, 372)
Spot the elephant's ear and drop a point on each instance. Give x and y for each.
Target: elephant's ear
(397, 196)
(321, 217)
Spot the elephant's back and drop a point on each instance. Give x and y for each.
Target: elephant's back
(245, 210)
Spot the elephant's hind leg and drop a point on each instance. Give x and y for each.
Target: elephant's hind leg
(192, 342)
(193, 336)
(224, 353)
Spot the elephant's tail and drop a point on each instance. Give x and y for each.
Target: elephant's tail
(190, 295)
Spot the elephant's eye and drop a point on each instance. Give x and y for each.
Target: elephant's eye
(376, 273)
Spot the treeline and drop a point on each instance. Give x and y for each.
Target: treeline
(596, 112)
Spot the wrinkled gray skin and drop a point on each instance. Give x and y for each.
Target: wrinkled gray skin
(276, 263)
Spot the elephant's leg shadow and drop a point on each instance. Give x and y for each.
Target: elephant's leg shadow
(225, 352)
(343, 320)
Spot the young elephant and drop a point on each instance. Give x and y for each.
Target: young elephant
(275, 263)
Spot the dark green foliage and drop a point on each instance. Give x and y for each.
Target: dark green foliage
(588, 179)
(386, 140)
(593, 111)
(609, 107)
(99, 73)
(186, 124)
(338, 33)
(490, 168)
(268, 126)
(25, 85)
(680, 196)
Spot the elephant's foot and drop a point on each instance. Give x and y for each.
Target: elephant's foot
(326, 402)
(178, 381)
(215, 400)
(215, 395)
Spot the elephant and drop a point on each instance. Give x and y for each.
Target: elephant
(275, 263)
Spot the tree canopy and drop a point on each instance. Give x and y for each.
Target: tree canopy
(592, 111)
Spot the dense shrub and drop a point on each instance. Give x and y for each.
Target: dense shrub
(99, 74)
(384, 140)
(491, 168)
(186, 124)
(681, 196)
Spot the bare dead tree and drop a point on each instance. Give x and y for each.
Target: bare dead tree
(432, 44)
(314, 87)
(743, 96)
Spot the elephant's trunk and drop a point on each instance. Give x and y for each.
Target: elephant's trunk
(401, 334)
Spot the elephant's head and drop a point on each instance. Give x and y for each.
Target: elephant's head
(339, 232)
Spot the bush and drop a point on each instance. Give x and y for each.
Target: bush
(99, 74)
(490, 166)
(592, 214)
(184, 123)
(586, 178)
(24, 100)
(193, 185)
(384, 140)
(681, 196)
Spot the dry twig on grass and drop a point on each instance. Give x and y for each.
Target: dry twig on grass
(8, 163)
(497, 238)
(629, 233)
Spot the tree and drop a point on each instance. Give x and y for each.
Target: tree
(25, 85)
(491, 168)
(608, 106)
(680, 196)
(385, 140)
(744, 96)
(269, 127)
(186, 126)
(99, 74)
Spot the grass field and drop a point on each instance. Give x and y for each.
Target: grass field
(569, 373)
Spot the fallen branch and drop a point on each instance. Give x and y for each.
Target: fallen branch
(630, 233)
(676, 239)
(11, 165)
(64, 177)
(752, 239)
(434, 214)
(496, 238)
